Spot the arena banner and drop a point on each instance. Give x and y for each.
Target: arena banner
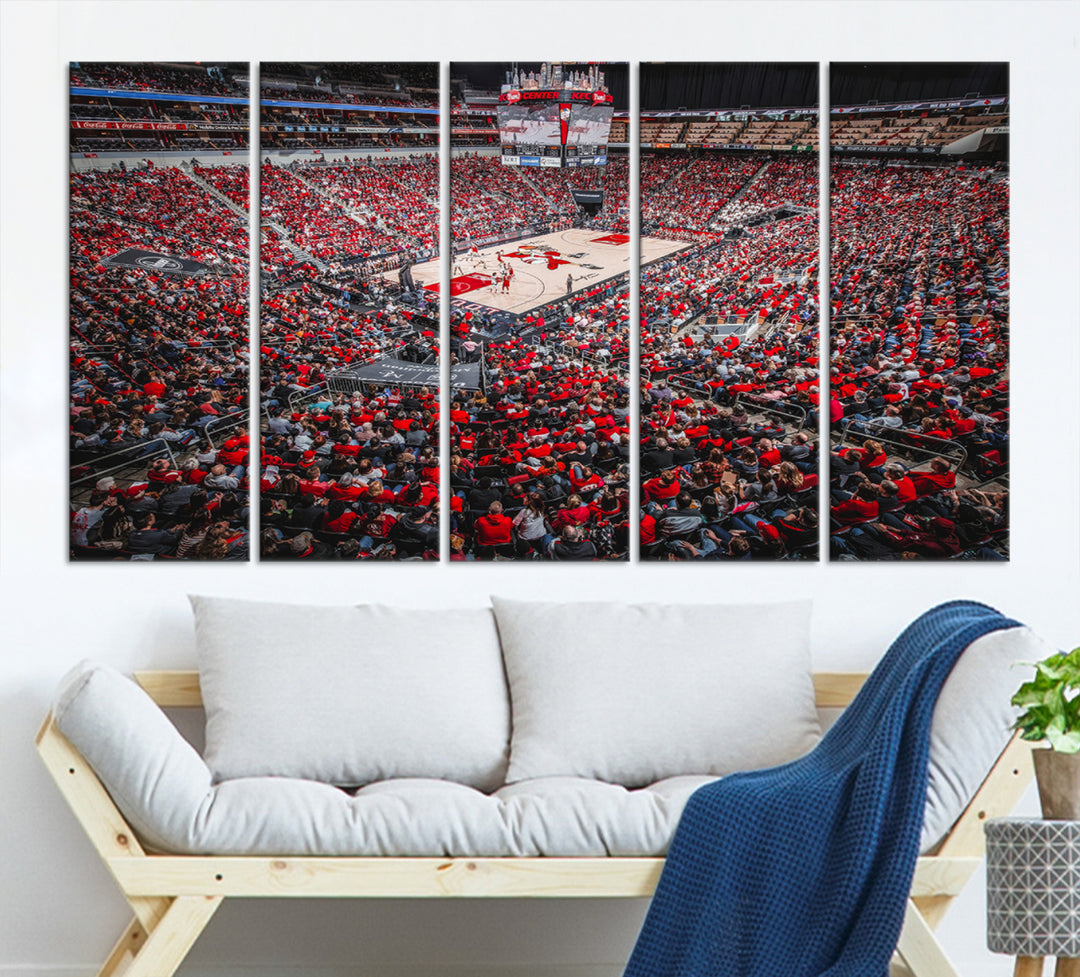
(239, 126)
(359, 318)
(731, 430)
(154, 236)
(919, 431)
(932, 106)
(154, 261)
(888, 149)
(330, 104)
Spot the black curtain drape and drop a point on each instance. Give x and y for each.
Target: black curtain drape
(852, 83)
(721, 85)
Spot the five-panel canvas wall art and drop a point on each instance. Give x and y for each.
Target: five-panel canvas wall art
(735, 390)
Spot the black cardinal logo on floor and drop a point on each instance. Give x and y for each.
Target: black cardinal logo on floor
(535, 254)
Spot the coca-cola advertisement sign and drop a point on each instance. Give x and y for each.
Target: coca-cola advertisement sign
(159, 126)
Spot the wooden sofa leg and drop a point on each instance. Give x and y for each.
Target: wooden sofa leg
(919, 948)
(933, 908)
(126, 949)
(158, 952)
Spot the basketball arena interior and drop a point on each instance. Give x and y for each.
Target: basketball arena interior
(543, 389)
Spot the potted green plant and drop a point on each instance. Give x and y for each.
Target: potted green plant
(1051, 713)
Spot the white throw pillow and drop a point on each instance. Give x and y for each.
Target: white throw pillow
(351, 695)
(634, 693)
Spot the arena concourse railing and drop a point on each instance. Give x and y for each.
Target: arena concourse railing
(912, 442)
(138, 455)
(228, 423)
(790, 413)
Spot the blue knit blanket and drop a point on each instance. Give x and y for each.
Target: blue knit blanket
(804, 870)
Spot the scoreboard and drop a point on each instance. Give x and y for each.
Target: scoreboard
(553, 127)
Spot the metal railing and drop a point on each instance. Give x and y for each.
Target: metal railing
(790, 413)
(311, 394)
(911, 442)
(135, 454)
(228, 423)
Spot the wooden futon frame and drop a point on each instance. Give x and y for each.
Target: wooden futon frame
(173, 897)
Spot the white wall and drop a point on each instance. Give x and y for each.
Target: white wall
(59, 911)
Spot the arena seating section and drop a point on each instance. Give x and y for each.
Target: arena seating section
(229, 81)
(539, 462)
(920, 316)
(348, 473)
(159, 371)
(729, 359)
(908, 129)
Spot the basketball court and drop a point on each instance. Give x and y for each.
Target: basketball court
(541, 266)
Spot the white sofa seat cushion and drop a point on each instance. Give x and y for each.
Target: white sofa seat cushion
(352, 695)
(634, 693)
(164, 789)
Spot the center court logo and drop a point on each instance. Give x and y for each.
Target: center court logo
(159, 263)
(538, 254)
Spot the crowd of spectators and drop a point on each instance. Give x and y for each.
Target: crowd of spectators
(786, 180)
(539, 457)
(347, 476)
(728, 445)
(919, 375)
(159, 372)
(316, 222)
(192, 79)
(538, 466)
(683, 193)
(399, 194)
(163, 202)
(729, 360)
(402, 84)
(347, 473)
(490, 200)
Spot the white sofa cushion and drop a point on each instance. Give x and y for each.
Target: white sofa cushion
(634, 693)
(164, 789)
(972, 721)
(351, 695)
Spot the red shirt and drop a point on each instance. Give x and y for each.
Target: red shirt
(927, 483)
(493, 530)
(349, 493)
(570, 517)
(907, 490)
(854, 510)
(655, 490)
(342, 524)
